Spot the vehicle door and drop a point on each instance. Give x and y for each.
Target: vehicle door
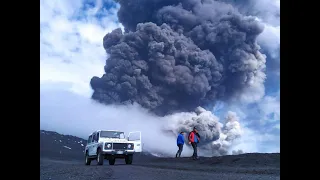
(135, 138)
(91, 148)
(88, 145)
(95, 143)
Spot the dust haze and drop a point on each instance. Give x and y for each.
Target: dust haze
(78, 115)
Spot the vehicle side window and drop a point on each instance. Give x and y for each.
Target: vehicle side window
(89, 139)
(94, 137)
(97, 137)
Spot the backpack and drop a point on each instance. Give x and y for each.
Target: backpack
(198, 135)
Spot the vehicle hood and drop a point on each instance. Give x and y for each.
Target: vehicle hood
(114, 140)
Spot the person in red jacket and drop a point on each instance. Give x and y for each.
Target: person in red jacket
(194, 139)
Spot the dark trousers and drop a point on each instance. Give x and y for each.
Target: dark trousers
(179, 150)
(195, 150)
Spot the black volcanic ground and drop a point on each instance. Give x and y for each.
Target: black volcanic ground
(62, 157)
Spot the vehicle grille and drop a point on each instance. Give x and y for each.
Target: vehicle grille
(120, 146)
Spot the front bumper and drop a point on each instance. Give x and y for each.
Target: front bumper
(118, 152)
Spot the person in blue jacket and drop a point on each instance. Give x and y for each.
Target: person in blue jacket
(180, 143)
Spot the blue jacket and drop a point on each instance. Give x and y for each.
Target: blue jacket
(180, 139)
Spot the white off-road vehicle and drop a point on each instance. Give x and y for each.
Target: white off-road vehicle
(111, 145)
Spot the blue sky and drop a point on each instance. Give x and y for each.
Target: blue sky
(71, 52)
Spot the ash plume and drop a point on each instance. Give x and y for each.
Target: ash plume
(158, 68)
(177, 55)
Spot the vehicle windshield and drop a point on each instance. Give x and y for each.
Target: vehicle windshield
(112, 134)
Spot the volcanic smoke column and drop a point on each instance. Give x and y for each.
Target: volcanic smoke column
(180, 54)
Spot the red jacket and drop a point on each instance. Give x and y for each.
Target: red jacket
(193, 137)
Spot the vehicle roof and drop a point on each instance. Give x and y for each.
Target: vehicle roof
(104, 130)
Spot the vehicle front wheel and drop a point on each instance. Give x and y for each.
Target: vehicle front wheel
(100, 157)
(87, 159)
(129, 159)
(112, 161)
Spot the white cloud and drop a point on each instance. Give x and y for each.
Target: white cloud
(254, 141)
(71, 47)
(265, 111)
(270, 39)
(270, 106)
(268, 12)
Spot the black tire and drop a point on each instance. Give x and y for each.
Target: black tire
(129, 159)
(87, 159)
(100, 158)
(112, 161)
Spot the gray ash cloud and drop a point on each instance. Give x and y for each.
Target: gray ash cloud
(177, 55)
(217, 138)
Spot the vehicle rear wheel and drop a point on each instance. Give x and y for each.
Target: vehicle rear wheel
(129, 159)
(87, 159)
(100, 157)
(112, 161)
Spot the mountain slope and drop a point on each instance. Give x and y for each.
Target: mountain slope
(55, 145)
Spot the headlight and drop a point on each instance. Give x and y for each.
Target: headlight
(107, 146)
(130, 146)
